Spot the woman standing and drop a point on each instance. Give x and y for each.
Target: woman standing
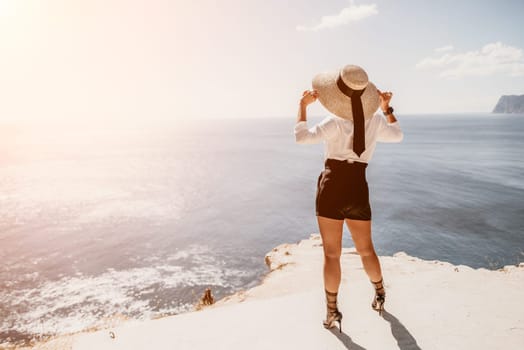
(350, 136)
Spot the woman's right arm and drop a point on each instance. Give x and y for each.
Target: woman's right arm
(389, 131)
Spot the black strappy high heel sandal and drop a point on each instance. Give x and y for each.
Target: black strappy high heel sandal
(380, 297)
(333, 315)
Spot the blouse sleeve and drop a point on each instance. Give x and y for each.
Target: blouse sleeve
(322, 131)
(389, 132)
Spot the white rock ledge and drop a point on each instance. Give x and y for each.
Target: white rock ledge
(429, 305)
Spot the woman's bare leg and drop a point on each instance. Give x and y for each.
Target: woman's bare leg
(331, 233)
(361, 234)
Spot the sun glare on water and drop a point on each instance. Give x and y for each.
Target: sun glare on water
(7, 7)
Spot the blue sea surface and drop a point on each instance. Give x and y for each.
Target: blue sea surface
(105, 222)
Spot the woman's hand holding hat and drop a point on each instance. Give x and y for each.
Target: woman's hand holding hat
(308, 96)
(385, 97)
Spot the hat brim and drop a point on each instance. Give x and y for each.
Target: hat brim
(339, 104)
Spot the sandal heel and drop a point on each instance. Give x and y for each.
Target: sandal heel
(333, 314)
(380, 298)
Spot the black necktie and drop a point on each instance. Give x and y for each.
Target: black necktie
(359, 141)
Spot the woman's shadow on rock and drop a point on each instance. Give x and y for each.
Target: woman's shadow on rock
(405, 340)
(346, 340)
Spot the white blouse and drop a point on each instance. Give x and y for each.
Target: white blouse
(337, 134)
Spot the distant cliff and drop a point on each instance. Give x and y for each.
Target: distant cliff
(510, 104)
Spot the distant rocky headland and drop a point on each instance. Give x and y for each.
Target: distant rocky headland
(510, 104)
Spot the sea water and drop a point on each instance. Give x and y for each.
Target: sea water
(106, 222)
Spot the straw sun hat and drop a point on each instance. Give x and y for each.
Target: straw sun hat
(335, 88)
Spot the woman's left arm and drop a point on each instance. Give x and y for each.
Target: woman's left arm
(320, 132)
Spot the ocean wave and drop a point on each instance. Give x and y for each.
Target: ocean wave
(75, 303)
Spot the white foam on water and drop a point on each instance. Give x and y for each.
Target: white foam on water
(74, 303)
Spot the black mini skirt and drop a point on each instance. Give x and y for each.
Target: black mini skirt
(342, 191)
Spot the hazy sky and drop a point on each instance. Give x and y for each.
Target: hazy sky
(183, 59)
